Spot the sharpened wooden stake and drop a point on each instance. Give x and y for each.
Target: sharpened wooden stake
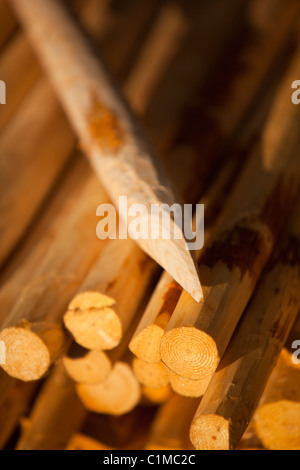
(108, 133)
(234, 390)
(198, 334)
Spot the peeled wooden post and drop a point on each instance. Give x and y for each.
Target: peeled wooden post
(110, 137)
(234, 390)
(260, 56)
(169, 430)
(197, 335)
(46, 161)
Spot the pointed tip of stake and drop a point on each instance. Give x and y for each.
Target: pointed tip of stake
(175, 257)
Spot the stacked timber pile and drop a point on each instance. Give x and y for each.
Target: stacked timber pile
(104, 349)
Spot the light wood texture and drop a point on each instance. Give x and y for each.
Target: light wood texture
(108, 133)
(17, 60)
(56, 412)
(151, 375)
(234, 391)
(31, 348)
(198, 334)
(118, 394)
(277, 419)
(8, 22)
(86, 366)
(260, 55)
(169, 430)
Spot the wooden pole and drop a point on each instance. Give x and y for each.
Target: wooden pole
(17, 60)
(197, 335)
(118, 152)
(46, 162)
(169, 430)
(234, 391)
(278, 415)
(8, 22)
(57, 399)
(14, 406)
(260, 56)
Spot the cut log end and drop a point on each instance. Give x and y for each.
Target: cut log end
(157, 396)
(278, 425)
(188, 387)
(151, 375)
(116, 395)
(91, 369)
(93, 322)
(189, 352)
(210, 432)
(27, 356)
(146, 344)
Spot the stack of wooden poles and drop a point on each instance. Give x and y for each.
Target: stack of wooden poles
(103, 349)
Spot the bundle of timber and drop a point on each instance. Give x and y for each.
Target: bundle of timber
(109, 341)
